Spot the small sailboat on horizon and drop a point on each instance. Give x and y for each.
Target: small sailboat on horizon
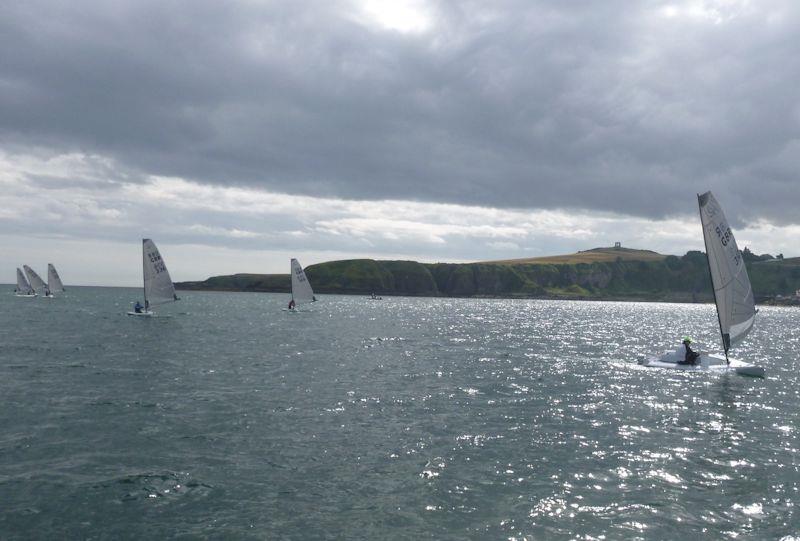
(158, 286)
(23, 288)
(36, 282)
(733, 298)
(301, 287)
(54, 284)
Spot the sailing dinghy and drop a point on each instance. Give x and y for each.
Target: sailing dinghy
(24, 288)
(36, 281)
(158, 287)
(733, 296)
(301, 287)
(54, 283)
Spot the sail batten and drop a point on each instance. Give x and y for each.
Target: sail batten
(301, 287)
(733, 293)
(158, 287)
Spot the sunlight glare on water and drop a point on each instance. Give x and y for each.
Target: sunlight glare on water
(443, 418)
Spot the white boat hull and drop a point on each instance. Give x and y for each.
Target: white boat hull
(706, 362)
(26, 296)
(142, 314)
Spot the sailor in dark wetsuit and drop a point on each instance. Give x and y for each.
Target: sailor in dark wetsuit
(691, 356)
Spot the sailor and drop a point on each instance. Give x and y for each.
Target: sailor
(690, 356)
(291, 304)
(137, 308)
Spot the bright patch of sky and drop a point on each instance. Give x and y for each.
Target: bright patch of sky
(714, 11)
(398, 15)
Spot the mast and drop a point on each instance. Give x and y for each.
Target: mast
(144, 275)
(710, 277)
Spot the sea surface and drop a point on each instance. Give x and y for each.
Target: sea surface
(406, 418)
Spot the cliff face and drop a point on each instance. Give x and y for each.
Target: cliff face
(670, 278)
(370, 276)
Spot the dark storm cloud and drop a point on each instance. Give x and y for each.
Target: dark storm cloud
(620, 106)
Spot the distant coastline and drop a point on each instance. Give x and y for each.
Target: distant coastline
(601, 274)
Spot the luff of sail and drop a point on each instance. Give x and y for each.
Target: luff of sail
(23, 287)
(36, 281)
(301, 287)
(54, 280)
(158, 287)
(733, 293)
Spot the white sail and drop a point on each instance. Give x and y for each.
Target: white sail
(301, 287)
(54, 280)
(37, 283)
(23, 287)
(158, 288)
(732, 290)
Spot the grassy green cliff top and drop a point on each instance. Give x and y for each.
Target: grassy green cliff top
(600, 273)
(595, 255)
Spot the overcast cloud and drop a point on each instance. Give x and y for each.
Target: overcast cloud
(427, 130)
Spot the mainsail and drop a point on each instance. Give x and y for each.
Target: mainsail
(158, 288)
(22, 284)
(36, 282)
(53, 279)
(732, 290)
(301, 287)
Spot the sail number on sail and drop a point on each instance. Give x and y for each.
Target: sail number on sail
(158, 264)
(301, 277)
(724, 236)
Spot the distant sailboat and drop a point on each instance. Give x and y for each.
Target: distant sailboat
(158, 287)
(54, 280)
(37, 283)
(301, 287)
(24, 288)
(733, 295)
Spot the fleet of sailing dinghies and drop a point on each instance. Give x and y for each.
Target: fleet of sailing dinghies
(23, 288)
(733, 296)
(158, 287)
(31, 284)
(301, 287)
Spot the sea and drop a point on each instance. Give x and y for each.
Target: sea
(226, 417)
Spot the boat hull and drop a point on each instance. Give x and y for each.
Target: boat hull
(142, 314)
(705, 363)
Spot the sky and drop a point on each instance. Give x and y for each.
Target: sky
(240, 134)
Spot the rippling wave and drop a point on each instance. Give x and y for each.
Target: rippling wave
(405, 418)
